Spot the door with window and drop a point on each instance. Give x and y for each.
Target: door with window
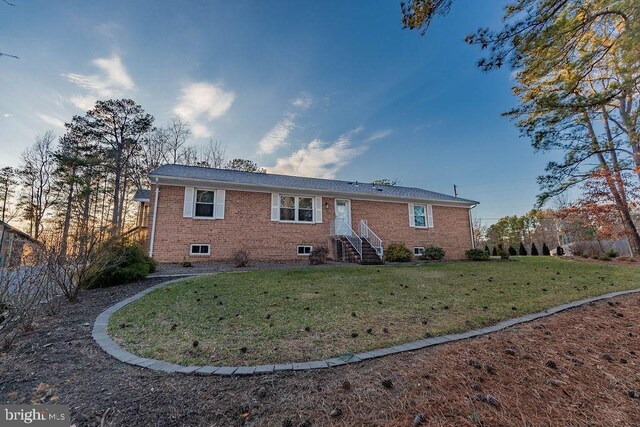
(343, 217)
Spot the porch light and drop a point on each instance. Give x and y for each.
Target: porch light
(326, 205)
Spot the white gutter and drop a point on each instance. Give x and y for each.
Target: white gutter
(153, 221)
(473, 238)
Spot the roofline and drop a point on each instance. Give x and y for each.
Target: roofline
(270, 188)
(20, 232)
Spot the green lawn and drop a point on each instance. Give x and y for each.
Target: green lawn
(315, 312)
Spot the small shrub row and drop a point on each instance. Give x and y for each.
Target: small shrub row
(432, 253)
(397, 252)
(477, 255)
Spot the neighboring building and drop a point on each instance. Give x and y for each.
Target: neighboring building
(140, 231)
(206, 214)
(15, 246)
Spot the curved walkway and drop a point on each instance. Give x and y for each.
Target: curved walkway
(103, 339)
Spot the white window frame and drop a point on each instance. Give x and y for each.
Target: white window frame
(213, 204)
(426, 219)
(428, 215)
(201, 245)
(304, 246)
(296, 207)
(419, 251)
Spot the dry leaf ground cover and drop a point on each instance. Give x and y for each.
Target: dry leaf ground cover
(576, 368)
(313, 313)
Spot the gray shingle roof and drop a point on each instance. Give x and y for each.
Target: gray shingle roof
(301, 183)
(142, 195)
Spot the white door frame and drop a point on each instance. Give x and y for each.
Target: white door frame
(339, 227)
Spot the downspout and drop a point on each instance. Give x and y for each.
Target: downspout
(473, 238)
(153, 221)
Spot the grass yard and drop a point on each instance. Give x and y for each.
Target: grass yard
(311, 313)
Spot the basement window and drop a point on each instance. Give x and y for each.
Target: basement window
(305, 250)
(200, 249)
(418, 250)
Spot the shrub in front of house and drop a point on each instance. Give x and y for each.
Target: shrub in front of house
(318, 255)
(611, 253)
(477, 255)
(512, 251)
(118, 262)
(397, 252)
(495, 251)
(559, 251)
(486, 249)
(432, 252)
(522, 251)
(545, 249)
(240, 258)
(534, 250)
(502, 253)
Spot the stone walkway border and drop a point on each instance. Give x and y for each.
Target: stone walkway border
(103, 339)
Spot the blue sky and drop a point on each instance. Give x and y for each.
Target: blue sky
(328, 89)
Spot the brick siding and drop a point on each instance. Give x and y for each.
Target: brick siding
(247, 224)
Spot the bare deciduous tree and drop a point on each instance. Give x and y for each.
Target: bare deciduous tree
(8, 182)
(36, 175)
(176, 134)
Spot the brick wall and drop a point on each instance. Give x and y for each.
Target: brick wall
(247, 224)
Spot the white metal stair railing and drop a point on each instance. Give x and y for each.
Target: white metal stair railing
(367, 234)
(340, 228)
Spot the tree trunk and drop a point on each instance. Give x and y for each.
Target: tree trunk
(67, 218)
(618, 194)
(4, 201)
(116, 196)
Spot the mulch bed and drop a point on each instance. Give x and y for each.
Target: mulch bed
(575, 368)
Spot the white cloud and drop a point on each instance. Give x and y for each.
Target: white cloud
(53, 121)
(303, 102)
(112, 81)
(379, 135)
(278, 135)
(7, 115)
(203, 101)
(320, 159)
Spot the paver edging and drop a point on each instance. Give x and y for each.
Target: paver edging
(101, 337)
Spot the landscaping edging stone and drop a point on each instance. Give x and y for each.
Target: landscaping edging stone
(102, 338)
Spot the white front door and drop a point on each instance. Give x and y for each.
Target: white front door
(343, 217)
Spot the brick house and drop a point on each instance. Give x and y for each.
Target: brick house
(198, 214)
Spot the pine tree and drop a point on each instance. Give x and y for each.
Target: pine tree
(534, 250)
(512, 251)
(545, 249)
(522, 250)
(486, 249)
(495, 251)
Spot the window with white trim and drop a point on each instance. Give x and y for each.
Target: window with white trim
(305, 250)
(296, 208)
(204, 204)
(198, 249)
(418, 250)
(420, 215)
